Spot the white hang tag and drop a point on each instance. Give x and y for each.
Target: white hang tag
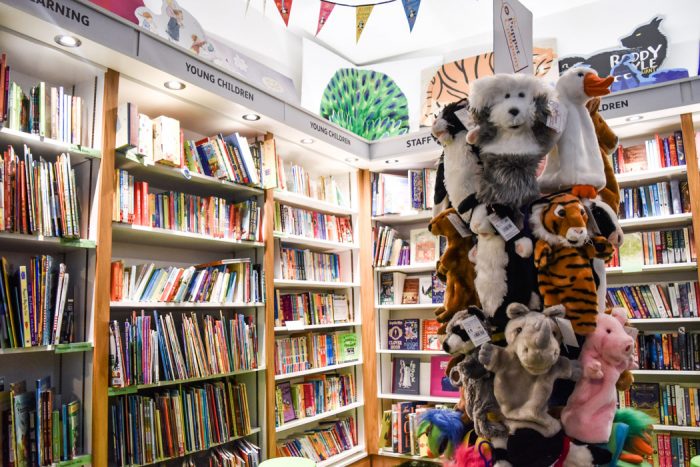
(296, 325)
(568, 336)
(475, 330)
(458, 224)
(504, 226)
(464, 117)
(557, 118)
(632, 332)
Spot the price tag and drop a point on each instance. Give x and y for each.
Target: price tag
(186, 173)
(296, 325)
(632, 332)
(475, 330)
(465, 117)
(568, 336)
(458, 224)
(557, 118)
(504, 226)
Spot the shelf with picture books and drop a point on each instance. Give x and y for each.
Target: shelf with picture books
(403, 199)
(49, 123)
(334, 442)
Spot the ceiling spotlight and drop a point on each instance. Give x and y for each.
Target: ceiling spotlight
(306, 141)
(634, 118)
(67, 41)
(174, 85)
(251, 117)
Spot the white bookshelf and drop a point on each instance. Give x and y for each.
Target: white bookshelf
(408, 269)
(315, 371)
(418, 398)
(657, 222)
(298, 284)
(417, 306)
(316, 327)
(650, 176)
(389, 453)
(411, 352)
(348, 457)
(310, 420)
(677, 429)
(131, 304)
(408, 218)
(313, 243)
(301, 201)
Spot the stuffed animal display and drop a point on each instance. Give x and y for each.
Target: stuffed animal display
(607, 352)
(537, 285)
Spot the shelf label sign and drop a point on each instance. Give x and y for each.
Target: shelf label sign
(82, 21)
(188, 68)
(512, 37)
(665, 96)
(323, 130)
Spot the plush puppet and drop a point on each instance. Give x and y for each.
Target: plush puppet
(607, 143)
(563, 254)
(607, 352)
(630, 440)
(444, 429)
(504, 270)
(510, 113)
(460, 165)
(575, 162)
(455, 264)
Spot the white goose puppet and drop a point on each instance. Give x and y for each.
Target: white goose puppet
(575, 161)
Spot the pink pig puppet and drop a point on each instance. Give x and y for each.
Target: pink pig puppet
(606, 353)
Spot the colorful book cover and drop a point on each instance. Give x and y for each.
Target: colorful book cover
(425, 289)
(632, 253)
(645, 397)
(438, 289)
(385, 430)
(73, 428)
(635, 158)
(406, 376)
(440, 384)
(23, 406)
(424, 246)
(410, 293)
(349, 347)
(386, 288)
(429, 333)
(287, 405)
(403, 334)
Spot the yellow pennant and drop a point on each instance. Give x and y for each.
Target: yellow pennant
(361, 16)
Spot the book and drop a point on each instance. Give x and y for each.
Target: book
(166, 141)
(385, 430)
(311, 308)
(391, 288)
(330, 438)
(429, 334)
(314, 396)
(403, 334)
(425, 289)
(424, 246)
(312, 224)
(438, 289)
(287, 408)
(669, 300)
(295, 178)
(300, 264)
(406, 376)
(349, 347)
(410, 293)
(655, 153)
(440, 384)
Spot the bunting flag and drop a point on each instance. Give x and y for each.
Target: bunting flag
(411, 9)
(323, 14)
(285, 8)
(361, 17)
(247, 5)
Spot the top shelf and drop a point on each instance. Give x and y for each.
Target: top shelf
(303, 201)
(414, 218)
(47, 147)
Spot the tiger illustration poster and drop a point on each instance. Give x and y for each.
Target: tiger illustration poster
(450, 82)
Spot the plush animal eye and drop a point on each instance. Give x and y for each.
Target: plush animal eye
(560, 212)
(609, 331)
(580, 74)
(582, 212)
(521, 94)
(518, 330)
(507, 96)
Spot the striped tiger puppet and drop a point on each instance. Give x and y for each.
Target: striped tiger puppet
(563, 255)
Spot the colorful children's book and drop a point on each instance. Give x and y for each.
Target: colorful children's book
(440, 384)
(287, 405)
(349, 347)
(404, 334)
(438, 289)
(645, 397)
(424, 246)
(410, 291)
(429, 333)
(425, 289)
(406, 376)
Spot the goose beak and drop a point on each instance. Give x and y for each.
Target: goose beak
(594, 86)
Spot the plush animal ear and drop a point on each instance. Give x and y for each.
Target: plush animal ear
(556, 311)
(593, 105)
(619, 314)
(476, 311)
(516, 310)
(656, 21)
(473, 135)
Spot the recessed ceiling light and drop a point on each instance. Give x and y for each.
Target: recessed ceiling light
(251, 117)
(306, 141)
(67, 41)
(174, 85)
(634, 118)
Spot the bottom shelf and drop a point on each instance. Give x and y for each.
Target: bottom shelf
(85, 459)
(345, 457)
(388, 453)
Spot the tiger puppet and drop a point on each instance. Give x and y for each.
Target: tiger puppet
(563, 255)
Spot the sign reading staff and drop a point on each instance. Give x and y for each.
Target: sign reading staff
(512, 37)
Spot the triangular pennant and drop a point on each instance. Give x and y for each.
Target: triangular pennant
(361, 17)
(323, 15)
(411, 9)
(247, 5)
(284, 7)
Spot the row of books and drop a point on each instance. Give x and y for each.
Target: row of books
(330, 438)
(296, 179)
(399, 428)
(241, 453)
(38, 197)
(398, 289)
(311, 224)
(660, 199)
(160, 140)
(141, 354)
(672, 246)
(225, 281)
(413, 334)
(46, 111)
(390, 250)
(407, 371)
(402, 194)
(669, 351)
(35, 308)
(307, 265)
(313, 396)
(146, 429)
(310, 308)
(671, 300)
(675, 451)
(654, 153)
(37, 427)
(183, 212)
(669, 404)
(299, 353)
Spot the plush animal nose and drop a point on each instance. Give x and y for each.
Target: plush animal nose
(513, 111)
(628, 348)
(578, 230)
